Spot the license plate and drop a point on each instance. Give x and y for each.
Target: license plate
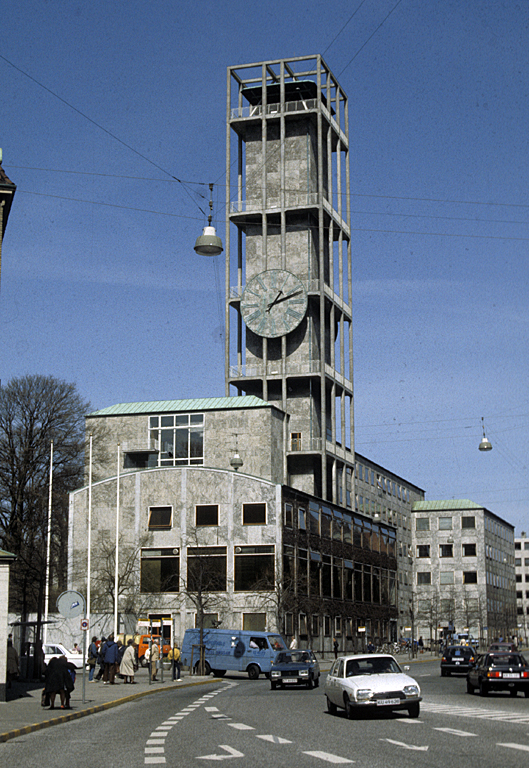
(511, 675)
(387, 702)
(290, 680)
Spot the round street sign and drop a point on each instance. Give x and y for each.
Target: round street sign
(84, 624)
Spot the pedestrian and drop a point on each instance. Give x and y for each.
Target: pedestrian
(76, 648)
(92, 659)
(55, 681)
(335, 647)
(155, 655)
(420, 645)
(12, 663)
(293, 643)
(127, 667)
(69, 680)
(111, 658)
(174, 657)
(100, 661)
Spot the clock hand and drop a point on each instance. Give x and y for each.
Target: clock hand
(269, 307)
(285, 298)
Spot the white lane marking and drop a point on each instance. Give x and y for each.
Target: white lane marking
(220, 717)
(474, 712)
(241, 726)
(232, 753)
(154, 750)
(522, 747)
(455, 732)
(328, 757)
(151, 760)
(406, 746)
(273, 739)
(211, 709)
(152, 742)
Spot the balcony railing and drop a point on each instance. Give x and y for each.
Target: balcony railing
(293, 199)
(257, 110)
(256, 370)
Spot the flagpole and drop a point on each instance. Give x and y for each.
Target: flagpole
(116, 581)
(48, 549)
(89, 537)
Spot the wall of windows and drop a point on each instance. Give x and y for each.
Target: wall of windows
(160, 570)
(178, 437)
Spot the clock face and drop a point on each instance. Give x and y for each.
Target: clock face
(273, 303)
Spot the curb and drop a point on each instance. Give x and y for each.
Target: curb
(98, 708)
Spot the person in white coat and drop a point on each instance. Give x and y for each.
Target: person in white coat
(127, 668)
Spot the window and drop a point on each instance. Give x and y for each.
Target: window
(207, 514)
(446, 577)
(519, 595)
(314, 518)
(254, 514)
(446, 550)
(423, 524)
(211, 620)
(519, 577)
(470, 577)
(255, 622)
(206, 569)
(295, 441)
(179, 437)
(445, 523)
(468, 522)
(526, 545)
(517, 544)
(527, 594)
(160, 570)
(423, 550)
(254, 569)
(160, 518)
(527, 577)
(424, 577)
(517, 560)
(302, 519)
(289, 516)
(469, 550)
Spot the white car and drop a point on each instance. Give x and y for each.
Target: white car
(53, 650)
(373, 680)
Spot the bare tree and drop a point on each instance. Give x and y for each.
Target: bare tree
(34, 411)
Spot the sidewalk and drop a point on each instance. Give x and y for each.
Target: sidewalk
(24, 714)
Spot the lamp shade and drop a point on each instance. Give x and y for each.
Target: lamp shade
(485, 445)
(208, 244)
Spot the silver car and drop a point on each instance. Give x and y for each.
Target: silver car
(371, 681)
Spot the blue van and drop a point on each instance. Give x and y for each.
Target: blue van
(234, 650)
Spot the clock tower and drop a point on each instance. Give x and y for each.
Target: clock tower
(288, 263)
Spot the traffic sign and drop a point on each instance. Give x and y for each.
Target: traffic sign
(84, 624)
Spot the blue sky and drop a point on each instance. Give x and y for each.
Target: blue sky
(100, 283)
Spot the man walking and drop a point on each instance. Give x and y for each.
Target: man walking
(111, 658)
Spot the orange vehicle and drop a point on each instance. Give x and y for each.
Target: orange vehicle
(143, 645)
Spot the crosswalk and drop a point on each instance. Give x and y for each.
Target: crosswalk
(477, 713)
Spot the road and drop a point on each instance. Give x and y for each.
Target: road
(238, 721)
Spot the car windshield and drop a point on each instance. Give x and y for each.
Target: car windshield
(277, 642)
(384, 665)
(296, 657)
(506, 660)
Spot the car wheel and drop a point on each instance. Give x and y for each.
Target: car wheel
(443, 673)
(310, 684)
(483, 688)
(331, 708)
(219, 672)
(349, 710)
(317, 682)
(253, 671)
(273, 686)
(207, 668)
(414, 710)
(470, 688)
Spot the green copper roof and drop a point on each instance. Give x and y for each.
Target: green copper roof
(173, 406)
(444, 504)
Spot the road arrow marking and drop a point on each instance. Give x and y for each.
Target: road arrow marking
(455, 732)
(274, 739)
(328, 757)
(522, 747)
(406, 746)
(232, 753)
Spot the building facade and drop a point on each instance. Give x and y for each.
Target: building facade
(197, 536)
(463, 557)
(521, 565)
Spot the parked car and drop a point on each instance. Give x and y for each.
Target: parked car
(54, 650)
(295, 668)
(371, 681)
(457, 658)
(499, 672)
